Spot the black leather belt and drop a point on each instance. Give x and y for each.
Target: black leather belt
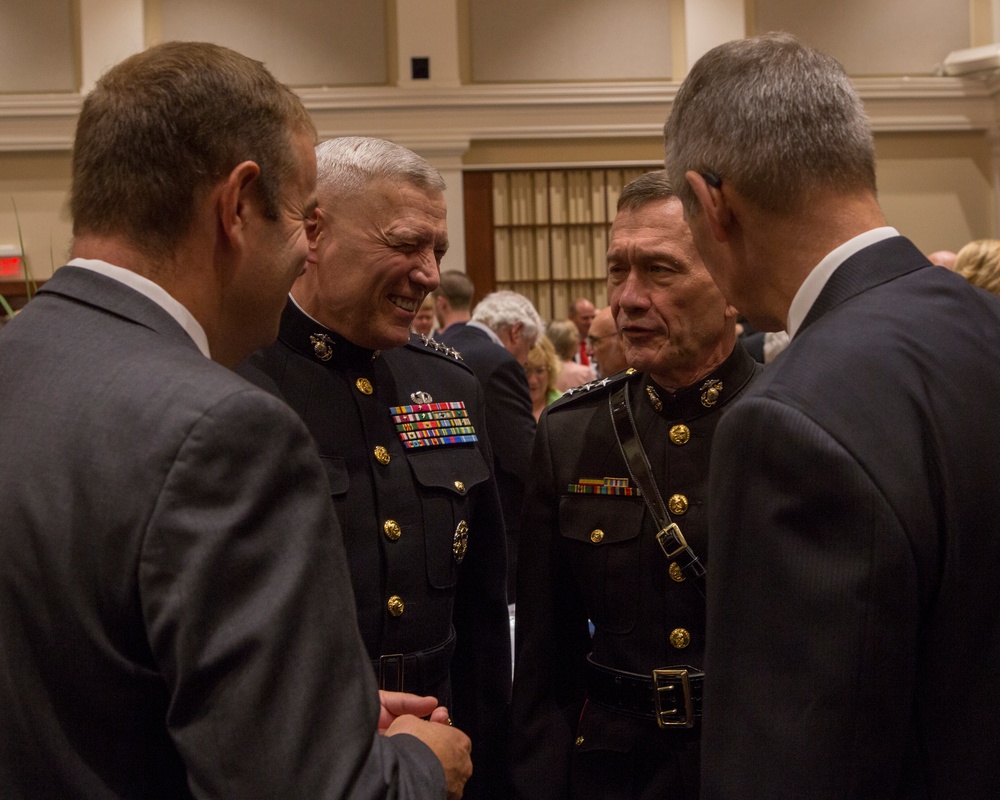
(671, 696)
(411, 672)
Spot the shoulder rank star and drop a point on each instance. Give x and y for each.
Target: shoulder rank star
(322, 346)
(441, 348)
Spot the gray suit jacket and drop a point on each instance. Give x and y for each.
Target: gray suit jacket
(175, 612)
(853, 630)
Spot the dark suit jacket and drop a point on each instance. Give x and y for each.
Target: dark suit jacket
(422, 525)
(175, 612)
(854, 633)
(566, 745)
(509, 420)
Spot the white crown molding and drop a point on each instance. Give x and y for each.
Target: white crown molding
(445, 119)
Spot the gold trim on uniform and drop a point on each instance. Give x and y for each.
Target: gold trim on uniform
(711, 390)
(654, 398)
(461, 541)
(392, 530)
(680, 638)
(680, 434)
(322, 346)
(364, 385)
(396, 605)
(382, 455)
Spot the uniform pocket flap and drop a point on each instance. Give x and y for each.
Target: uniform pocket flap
(455, 469)
(600, 519)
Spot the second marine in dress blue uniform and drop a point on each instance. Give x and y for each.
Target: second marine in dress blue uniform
(585, 712)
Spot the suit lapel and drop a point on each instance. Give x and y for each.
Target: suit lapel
(876, 264)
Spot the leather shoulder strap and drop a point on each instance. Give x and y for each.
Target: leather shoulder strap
(669, 536)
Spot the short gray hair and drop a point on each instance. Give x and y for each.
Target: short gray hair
(504, 309)
(348, 165)
(772, 117)
(645, 189)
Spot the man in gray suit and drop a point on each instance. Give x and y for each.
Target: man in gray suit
(176, 615)
(853, 630)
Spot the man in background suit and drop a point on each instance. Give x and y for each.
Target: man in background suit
(400, 426)
(581, 314)
(452, 301)
(853, 640)
(495, 344)
(604, 343)
(174, 606)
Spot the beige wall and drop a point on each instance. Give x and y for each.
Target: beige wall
(936, 165)
(937, 188)
(38, 183)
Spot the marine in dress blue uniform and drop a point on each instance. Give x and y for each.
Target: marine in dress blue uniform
(422, 522)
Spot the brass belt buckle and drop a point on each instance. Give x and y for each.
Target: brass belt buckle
(671, 681)
(671, 536)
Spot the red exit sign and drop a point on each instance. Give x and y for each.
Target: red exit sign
(10, 266)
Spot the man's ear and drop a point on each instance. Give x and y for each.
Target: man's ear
(236, 200)
(516, 332)
(714, 205)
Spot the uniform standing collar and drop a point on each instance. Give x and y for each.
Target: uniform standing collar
(705, 395)
(317, 342)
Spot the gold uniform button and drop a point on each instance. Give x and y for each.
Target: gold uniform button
(630, 371)
(677, 504)
(679, 434)
(392, 529)
(460, 487)
(364, 385)
(676, 573)
(382, 455)
(579, 740)
(679, 638)
(396, 605)
(597, 536)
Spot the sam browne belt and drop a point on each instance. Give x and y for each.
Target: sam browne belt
(671, 696)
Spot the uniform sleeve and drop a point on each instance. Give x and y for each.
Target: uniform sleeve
(551, 642)
(250, 617)
(481, 665)
(812, 616)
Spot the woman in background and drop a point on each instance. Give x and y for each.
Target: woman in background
(979, 263)
(542, 371)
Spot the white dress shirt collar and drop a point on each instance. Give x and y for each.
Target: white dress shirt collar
(154, 292)
(816, 280)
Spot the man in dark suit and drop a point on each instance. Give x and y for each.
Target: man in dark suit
(175, 611)
(495, 345)
(854, 640)
(586, 708)
(401, 430)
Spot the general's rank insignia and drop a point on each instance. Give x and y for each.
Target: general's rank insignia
(431, 424)
(612, 486)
